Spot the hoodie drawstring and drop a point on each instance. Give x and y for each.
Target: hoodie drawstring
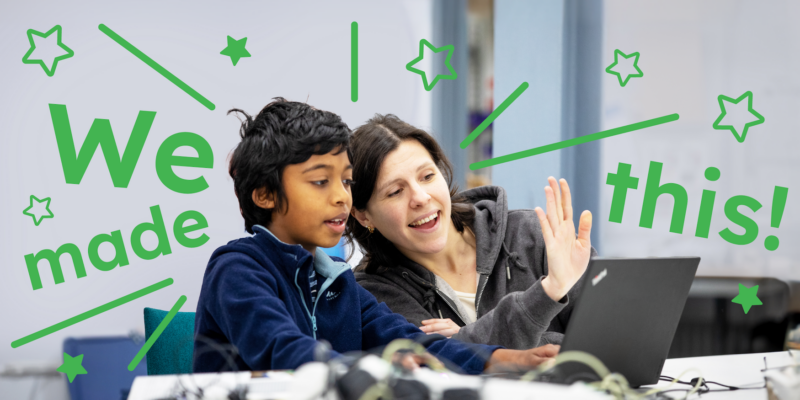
(513, 258)
(429, 296)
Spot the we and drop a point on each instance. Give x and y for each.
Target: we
(74, 163)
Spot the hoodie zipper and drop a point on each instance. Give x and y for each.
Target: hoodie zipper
(449, 304)
(480, 293)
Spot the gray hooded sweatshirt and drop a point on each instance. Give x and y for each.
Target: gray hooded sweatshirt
(513, 309)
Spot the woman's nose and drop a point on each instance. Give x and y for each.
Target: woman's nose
(419, 196)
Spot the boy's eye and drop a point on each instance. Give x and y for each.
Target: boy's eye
(320, 183)
(348, 182)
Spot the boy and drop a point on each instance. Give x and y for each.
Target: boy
(274, 294)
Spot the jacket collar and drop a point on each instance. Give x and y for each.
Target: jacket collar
(327, 267)
(291, 256)
(294, 255)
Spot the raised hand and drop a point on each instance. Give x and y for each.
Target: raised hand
(567, 256)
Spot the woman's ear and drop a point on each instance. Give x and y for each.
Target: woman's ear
(361, 217)
(263, 199)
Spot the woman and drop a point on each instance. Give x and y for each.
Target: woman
(460, 265)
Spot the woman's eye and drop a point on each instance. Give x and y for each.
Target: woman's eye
(320, 183)
(348, 182)
(429, 177)
(395, 192)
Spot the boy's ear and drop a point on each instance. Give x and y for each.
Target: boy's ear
(360, 216)
(263, 199)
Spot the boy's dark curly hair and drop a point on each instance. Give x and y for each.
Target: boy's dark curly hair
(283, 133)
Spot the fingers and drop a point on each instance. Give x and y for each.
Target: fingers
(548, 363)
(411, 362)
(566, 200)
(552, 218)
(448, 333)
(438, 326)
(543, 354)
(536, 361)
(445, 327)
(547, 232)
(436, 321)
(585, 228)
(504, 359)
(547, 351)
(557, 193)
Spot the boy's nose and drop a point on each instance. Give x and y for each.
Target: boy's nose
(341, 195)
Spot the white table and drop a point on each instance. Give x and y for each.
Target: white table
(743, 370)
(734, 370)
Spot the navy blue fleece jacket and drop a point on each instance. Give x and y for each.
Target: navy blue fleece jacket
(256, 297)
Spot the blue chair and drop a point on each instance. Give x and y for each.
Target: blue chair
(172, 352)
(106, 362)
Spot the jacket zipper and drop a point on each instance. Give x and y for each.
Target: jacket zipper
(449, 304)
(303, 300)
(316, 301)
(480, 293)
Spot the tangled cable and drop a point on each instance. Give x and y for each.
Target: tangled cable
(611, 382)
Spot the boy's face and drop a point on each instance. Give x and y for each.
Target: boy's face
(319, 200)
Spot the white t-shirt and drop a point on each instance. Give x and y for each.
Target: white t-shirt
(468, 300)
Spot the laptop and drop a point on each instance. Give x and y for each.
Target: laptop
(627, 314)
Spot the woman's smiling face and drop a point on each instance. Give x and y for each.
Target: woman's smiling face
(410, 204)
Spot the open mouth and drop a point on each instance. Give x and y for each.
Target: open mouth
(337, 224)
(425, 223)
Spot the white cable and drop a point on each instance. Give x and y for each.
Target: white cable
(614, 383)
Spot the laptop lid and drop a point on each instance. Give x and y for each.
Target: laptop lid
(628, 311)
